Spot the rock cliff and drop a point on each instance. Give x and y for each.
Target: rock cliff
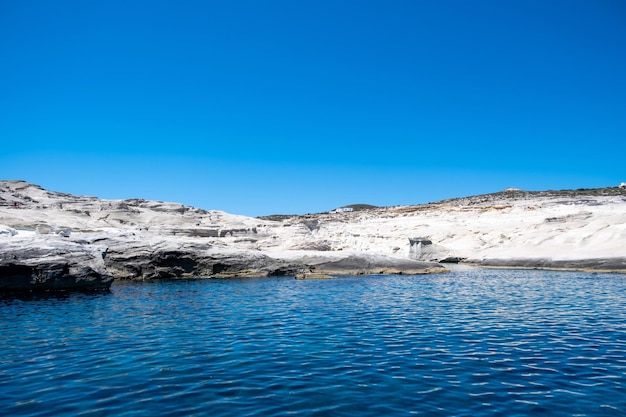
(152, 239)
(51, 264)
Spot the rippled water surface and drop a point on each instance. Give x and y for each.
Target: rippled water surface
(467, 343)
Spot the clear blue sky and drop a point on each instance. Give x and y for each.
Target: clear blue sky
(261, 107)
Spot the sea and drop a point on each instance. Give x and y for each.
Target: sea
(472, 342)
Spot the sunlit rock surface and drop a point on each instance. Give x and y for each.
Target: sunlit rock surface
(145, 239)
(37, 263)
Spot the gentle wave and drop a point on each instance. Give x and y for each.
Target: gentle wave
(469, 343)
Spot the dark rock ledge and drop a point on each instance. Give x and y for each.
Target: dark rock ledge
(139, 263)
(617, 264)
(52, 264)
(319, 267)
(165, 261)
(69, 266)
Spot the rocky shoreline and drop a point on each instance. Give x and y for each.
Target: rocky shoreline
(55, 264)
(609, 265)
(52, 265)
(58, 241)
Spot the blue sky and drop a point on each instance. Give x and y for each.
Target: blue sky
(262, 107)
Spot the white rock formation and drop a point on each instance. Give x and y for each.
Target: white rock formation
(51, 263)
(557, 225)
(152, 239)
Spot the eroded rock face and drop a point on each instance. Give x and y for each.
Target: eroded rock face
(152, 239)
(363, 264)
(591, 265)
(165, 261)
(51, 264)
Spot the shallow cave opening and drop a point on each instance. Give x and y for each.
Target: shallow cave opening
(184, 263)
(219, 267)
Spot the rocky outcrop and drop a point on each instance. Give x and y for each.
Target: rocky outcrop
(613, 264)
(421, 249)
(164, 260)
(155, 240)
(195, 260)
(49, 264)
(327, 265)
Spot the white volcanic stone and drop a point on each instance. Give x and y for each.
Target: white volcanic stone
(552, 225)
(152, 239)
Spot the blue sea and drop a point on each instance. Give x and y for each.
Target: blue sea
(473, 342)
